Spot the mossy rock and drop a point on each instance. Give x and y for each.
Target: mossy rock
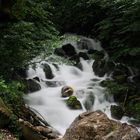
(116, 112)
(73, 103)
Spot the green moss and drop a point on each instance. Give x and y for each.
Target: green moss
(73, 103)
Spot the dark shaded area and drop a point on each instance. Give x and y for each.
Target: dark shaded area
(115, 23)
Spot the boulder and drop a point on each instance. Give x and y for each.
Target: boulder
(116, 112)
(97, 126)
(73, 103)
(48, 71)
(69, 50)
(32, 86)
(66, 91)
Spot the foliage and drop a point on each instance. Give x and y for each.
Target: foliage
(121, 30)
(117, 90)
(11, 94)
(126, 94)
(133, 109)
(77, 16)
(28, 32)
(115, 23)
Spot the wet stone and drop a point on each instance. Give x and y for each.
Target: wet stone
(48, 71)
(66, 91)
(73, 103)
(32, 86)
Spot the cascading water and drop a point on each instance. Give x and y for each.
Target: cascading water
(49, 103)
(86, 85)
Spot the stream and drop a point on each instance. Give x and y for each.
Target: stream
(86, 86)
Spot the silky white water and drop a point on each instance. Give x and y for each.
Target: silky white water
(49, 103)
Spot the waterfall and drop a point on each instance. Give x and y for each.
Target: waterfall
(48, 101)
(86, 86)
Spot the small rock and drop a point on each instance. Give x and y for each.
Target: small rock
(37, 79)
(73, 103)
(66, 91)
